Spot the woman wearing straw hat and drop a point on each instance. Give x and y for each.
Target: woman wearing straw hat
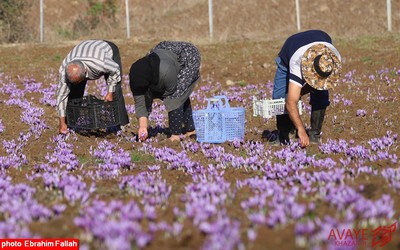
(307, 63)
(169, 72)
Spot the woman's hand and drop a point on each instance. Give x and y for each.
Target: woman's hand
(108, 97)
(143, 134)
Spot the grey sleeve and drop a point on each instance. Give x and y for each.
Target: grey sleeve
(143, 105)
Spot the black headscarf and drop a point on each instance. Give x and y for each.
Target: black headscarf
(144, 73)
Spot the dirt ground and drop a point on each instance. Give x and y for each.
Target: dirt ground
(233, 20)
(245, 63)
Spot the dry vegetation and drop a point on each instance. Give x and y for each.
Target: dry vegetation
(188, 20)
(248, 35)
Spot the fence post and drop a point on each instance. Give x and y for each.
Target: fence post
(210, 18)
(41, 21)
(128, 28)
(389, 14)
(298, 15)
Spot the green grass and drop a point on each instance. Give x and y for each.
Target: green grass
(64, 33)
(57, 58)
(243, 154)
(137, 156)
(242, 83)
(83, 159)
(366, 59)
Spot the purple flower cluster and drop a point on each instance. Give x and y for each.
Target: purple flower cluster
(158, 114)
(224, 160)
(17, 98)
(14, 230)
(337, 98)
(115, 224)
(355, 206)
(31, 116)
(15, 156)
(222, 233)
(361, 112)
(334, 146)
(383, 143)
(18, 207)
(384, 76)
(358, 151)
(191, 146)
(313, 233)
(1, 126)
(206, 196)
(175, 160)
(350, 78)
(392, 175)
(205, 201)
(149, 186)
(255, 149)
(282, 206)
(275, 186)
(63, 155)
(73, 188)
(30, 85)
(48, 95)
(111, 159)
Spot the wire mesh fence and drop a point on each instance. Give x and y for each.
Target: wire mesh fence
(217, 20)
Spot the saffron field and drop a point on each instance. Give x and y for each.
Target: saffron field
(112, 192)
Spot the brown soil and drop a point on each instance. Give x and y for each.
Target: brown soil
(235, 56)
(232, 19)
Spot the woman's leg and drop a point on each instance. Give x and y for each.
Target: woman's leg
(188, 122)
(175, 121)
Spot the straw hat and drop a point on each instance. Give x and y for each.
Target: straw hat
(320, 67)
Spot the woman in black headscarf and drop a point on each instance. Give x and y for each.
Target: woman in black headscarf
(168, 72)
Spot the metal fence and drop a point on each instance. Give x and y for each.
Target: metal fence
(226, 19)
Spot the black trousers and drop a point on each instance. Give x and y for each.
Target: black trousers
(77, 90)
(181, 119)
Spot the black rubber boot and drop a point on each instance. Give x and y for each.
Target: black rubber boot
(285, 127)
(317, 119)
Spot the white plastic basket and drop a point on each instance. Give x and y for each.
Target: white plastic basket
(219, 122)
(270, 108)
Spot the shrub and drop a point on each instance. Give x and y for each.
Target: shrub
(98, 13)
(13, 20)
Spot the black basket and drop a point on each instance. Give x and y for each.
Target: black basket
(89, 112)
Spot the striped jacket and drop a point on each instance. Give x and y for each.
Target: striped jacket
(96, 55)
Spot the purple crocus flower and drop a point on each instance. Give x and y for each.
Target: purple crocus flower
(149, 186)
(114, 223)
(1, 126)
(361, 112)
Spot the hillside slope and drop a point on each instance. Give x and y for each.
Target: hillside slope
(232, 19)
